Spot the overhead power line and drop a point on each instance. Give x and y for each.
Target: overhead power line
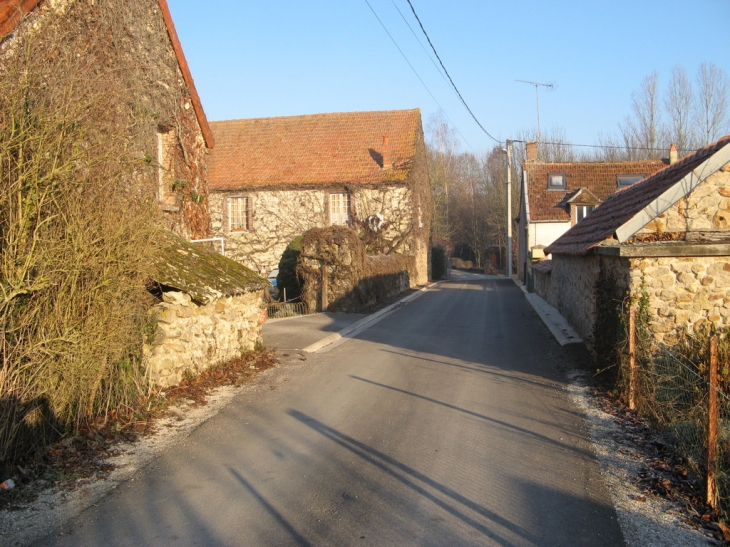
(418, 76)
(613, 146)
(448, 75)
(430, 58)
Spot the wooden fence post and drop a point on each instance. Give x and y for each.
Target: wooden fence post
(325, 286)
(712, 427)
(632, 358)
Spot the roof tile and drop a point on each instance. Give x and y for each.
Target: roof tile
(624, 204)
(598, 177)
(335, 148)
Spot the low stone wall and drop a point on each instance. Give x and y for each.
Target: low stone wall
(683, 293)
(339, 276)
(573, 291)
(541, 279)
(190, 338)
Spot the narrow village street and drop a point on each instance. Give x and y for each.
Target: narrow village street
(446, 423)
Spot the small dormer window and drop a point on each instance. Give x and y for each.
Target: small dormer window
(628, 180)
(582, 211)
(556, 181)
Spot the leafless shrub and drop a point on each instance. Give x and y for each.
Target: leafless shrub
(77, 226)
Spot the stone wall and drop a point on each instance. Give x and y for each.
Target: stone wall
(706, 209)
(339, 276)
(191, 338)
(542, 279)
(683, 293)
(572, 292)
(278, 216)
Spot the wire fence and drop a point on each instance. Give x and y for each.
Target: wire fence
(682, 391)
(279, 310)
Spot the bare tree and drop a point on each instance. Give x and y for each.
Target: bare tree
(553, 147)
(643, 132)
(469, 206)
(678, 103)
(442, 153)
(712, 102)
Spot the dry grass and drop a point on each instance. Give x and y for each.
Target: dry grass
(77, 227)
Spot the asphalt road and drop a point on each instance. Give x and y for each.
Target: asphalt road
(445, 424)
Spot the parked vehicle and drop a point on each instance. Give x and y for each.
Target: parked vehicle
(273, 290)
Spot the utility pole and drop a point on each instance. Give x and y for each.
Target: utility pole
(537, 99)
(509, 209)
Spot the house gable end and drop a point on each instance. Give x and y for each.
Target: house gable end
(672, 195)
(13, 11)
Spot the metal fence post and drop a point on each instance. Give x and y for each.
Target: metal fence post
(325, 286)
(712, 427)
(632, 358)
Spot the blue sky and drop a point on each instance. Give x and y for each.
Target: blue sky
(291, 57)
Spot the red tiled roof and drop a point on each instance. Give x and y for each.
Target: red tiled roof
(316, 149)
(598, 177)
(12, 11)
(622, 206)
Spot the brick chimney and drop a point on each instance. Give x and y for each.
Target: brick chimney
(672, 154)
(531, 151)
(387, 164)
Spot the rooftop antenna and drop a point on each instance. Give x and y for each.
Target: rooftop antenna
(537, 99)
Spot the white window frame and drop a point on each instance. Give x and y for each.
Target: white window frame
(238, 214)
(339, 209)
(552, 177)
(583, 210)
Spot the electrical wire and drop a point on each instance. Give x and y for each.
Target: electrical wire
(461, 98)
(449, 76)
(611, 146)
(418, 76)
(438, 69)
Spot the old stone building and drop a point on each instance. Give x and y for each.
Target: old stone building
(129, 67)
(665, 240)
(273, 179)
(557, 195)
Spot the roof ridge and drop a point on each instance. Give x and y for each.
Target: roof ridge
(319, 114)
(624, 205)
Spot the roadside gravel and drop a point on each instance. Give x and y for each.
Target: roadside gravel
(646, 520)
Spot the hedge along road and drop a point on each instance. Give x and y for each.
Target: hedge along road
(446, 423)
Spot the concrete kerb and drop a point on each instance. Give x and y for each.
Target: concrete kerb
(554, 321)
(330, 342)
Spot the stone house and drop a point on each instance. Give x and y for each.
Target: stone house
(557, 195)
(140, 68)
(665, 239)
(272, 179)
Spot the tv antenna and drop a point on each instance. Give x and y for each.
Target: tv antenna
(537, 100)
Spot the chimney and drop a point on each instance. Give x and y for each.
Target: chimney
(386, 154)
(672, 154)
(531, 151)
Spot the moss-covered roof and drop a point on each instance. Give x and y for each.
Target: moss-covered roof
(204, 275)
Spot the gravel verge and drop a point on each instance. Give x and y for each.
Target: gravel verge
(646, 520)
